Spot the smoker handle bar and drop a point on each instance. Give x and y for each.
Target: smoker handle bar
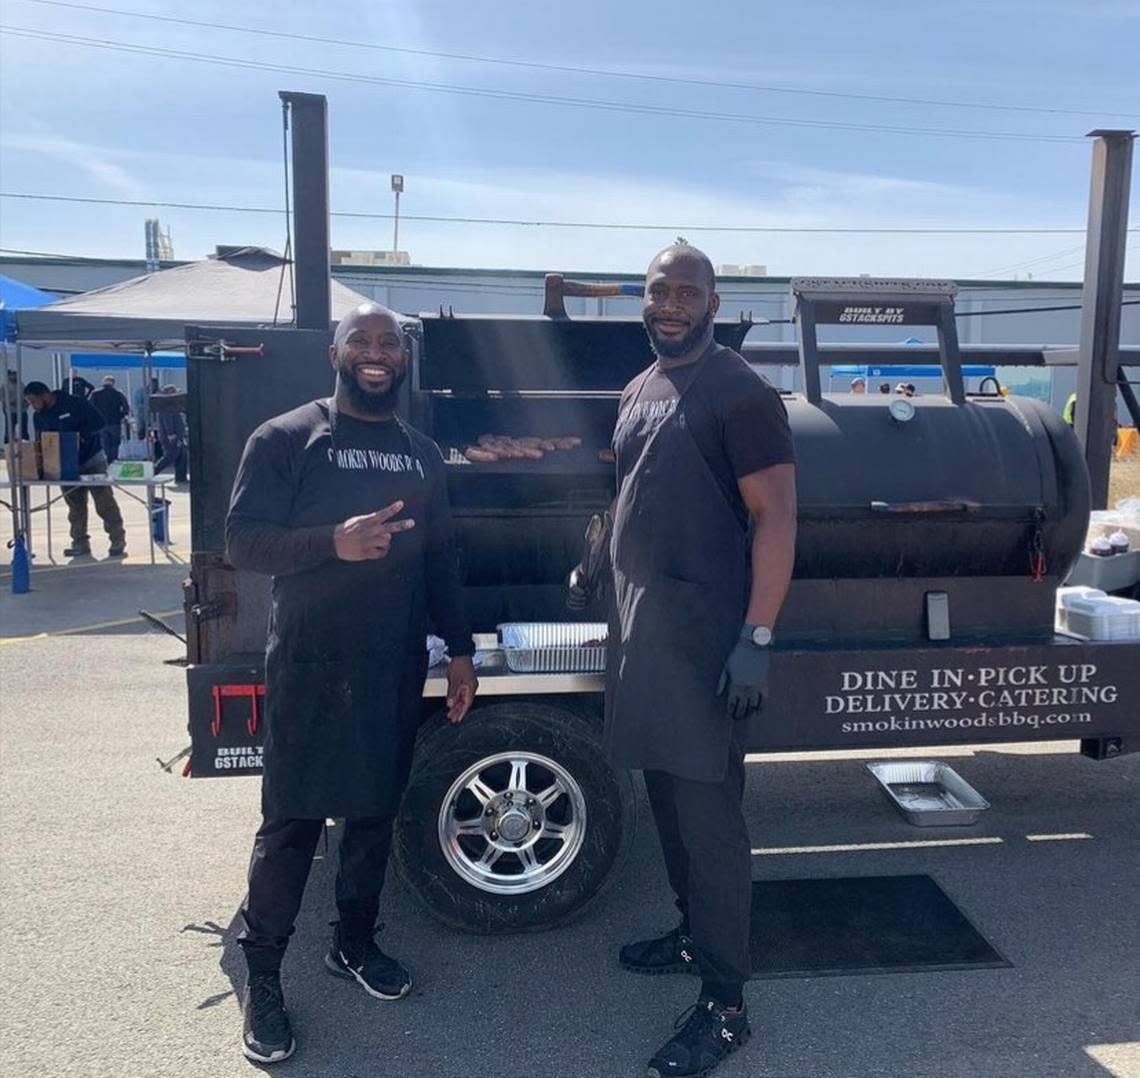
(926, 507)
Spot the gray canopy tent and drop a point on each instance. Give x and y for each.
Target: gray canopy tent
(240, 287)
(243, 286)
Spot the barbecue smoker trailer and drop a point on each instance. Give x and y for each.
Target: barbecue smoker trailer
(933, 534)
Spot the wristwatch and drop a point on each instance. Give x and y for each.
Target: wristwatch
(760, 635)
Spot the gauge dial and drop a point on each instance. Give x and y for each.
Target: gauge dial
(902, 411)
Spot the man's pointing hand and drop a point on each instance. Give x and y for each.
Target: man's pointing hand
(368, 537)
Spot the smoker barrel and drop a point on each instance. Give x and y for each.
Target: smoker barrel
(955, 490)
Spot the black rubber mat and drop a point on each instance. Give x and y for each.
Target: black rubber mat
(861, 924)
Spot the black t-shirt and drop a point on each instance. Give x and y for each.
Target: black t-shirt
(737, 419)
(110, 404)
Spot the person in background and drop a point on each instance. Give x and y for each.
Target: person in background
(58, 411)
(858, 385)
(910, 390)
(885, 388)
(77, 386)
(142, 412)
(15, 411)
(113, 407)
(172, 439)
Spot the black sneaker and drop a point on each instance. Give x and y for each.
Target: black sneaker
(706, 1033)
(118, 550)
(672, 953)
(362, 961)
(266, 1035)
(77, 550)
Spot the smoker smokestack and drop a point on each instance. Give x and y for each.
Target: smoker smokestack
(308, 114)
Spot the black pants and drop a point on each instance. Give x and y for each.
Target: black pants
(111, 437)
(708, 857)
(105, 506)
(282, 855)
(173, 453)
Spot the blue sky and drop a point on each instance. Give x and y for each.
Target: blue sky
(79, 120)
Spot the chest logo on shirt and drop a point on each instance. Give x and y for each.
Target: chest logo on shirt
(651, 411)
(374, 460)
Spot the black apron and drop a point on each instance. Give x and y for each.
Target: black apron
(681, 585)
(346, 658)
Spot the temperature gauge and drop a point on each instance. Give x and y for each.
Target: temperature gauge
(902, 411)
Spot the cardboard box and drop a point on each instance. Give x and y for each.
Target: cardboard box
(60, 454)
(28, 462)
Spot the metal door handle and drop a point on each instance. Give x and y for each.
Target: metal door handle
(926, 507)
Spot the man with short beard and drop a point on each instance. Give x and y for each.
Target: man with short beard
(346, 507)
(702, 548)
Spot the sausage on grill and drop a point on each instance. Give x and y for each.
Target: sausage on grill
(480, 455)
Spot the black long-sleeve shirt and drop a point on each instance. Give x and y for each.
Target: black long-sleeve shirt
(68, 413)
(296, 483)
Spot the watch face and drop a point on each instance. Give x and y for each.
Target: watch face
(902, 411)
(761, 636)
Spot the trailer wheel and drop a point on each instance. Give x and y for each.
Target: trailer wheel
(512, 821)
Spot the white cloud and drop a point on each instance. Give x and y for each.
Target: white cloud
(99, 164)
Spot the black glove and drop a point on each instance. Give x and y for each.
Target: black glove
(745, 676)
(587, 580)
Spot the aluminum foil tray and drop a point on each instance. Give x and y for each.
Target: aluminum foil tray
(929, 793)
(547, 647)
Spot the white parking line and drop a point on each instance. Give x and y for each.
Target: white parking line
(860, 847)
(78, 629)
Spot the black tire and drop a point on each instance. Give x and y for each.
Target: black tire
(444, 753)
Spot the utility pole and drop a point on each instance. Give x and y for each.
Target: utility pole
(397, 188)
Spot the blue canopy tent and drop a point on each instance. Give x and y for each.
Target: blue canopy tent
(15, 296)
(870, 370)
(169, 361)
(130, 362)
(924, 370)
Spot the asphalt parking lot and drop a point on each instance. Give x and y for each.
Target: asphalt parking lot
(120, 885)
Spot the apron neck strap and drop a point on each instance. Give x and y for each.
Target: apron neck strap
(334, 420)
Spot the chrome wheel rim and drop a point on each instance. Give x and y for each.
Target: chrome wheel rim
(512, 822)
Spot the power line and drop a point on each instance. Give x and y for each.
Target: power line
(572, 69)
(514, 95)
(523, 223)
(1128, 247)
(1031, 262)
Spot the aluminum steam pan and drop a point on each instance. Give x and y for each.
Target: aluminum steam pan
(929, 793)
(547, 647)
